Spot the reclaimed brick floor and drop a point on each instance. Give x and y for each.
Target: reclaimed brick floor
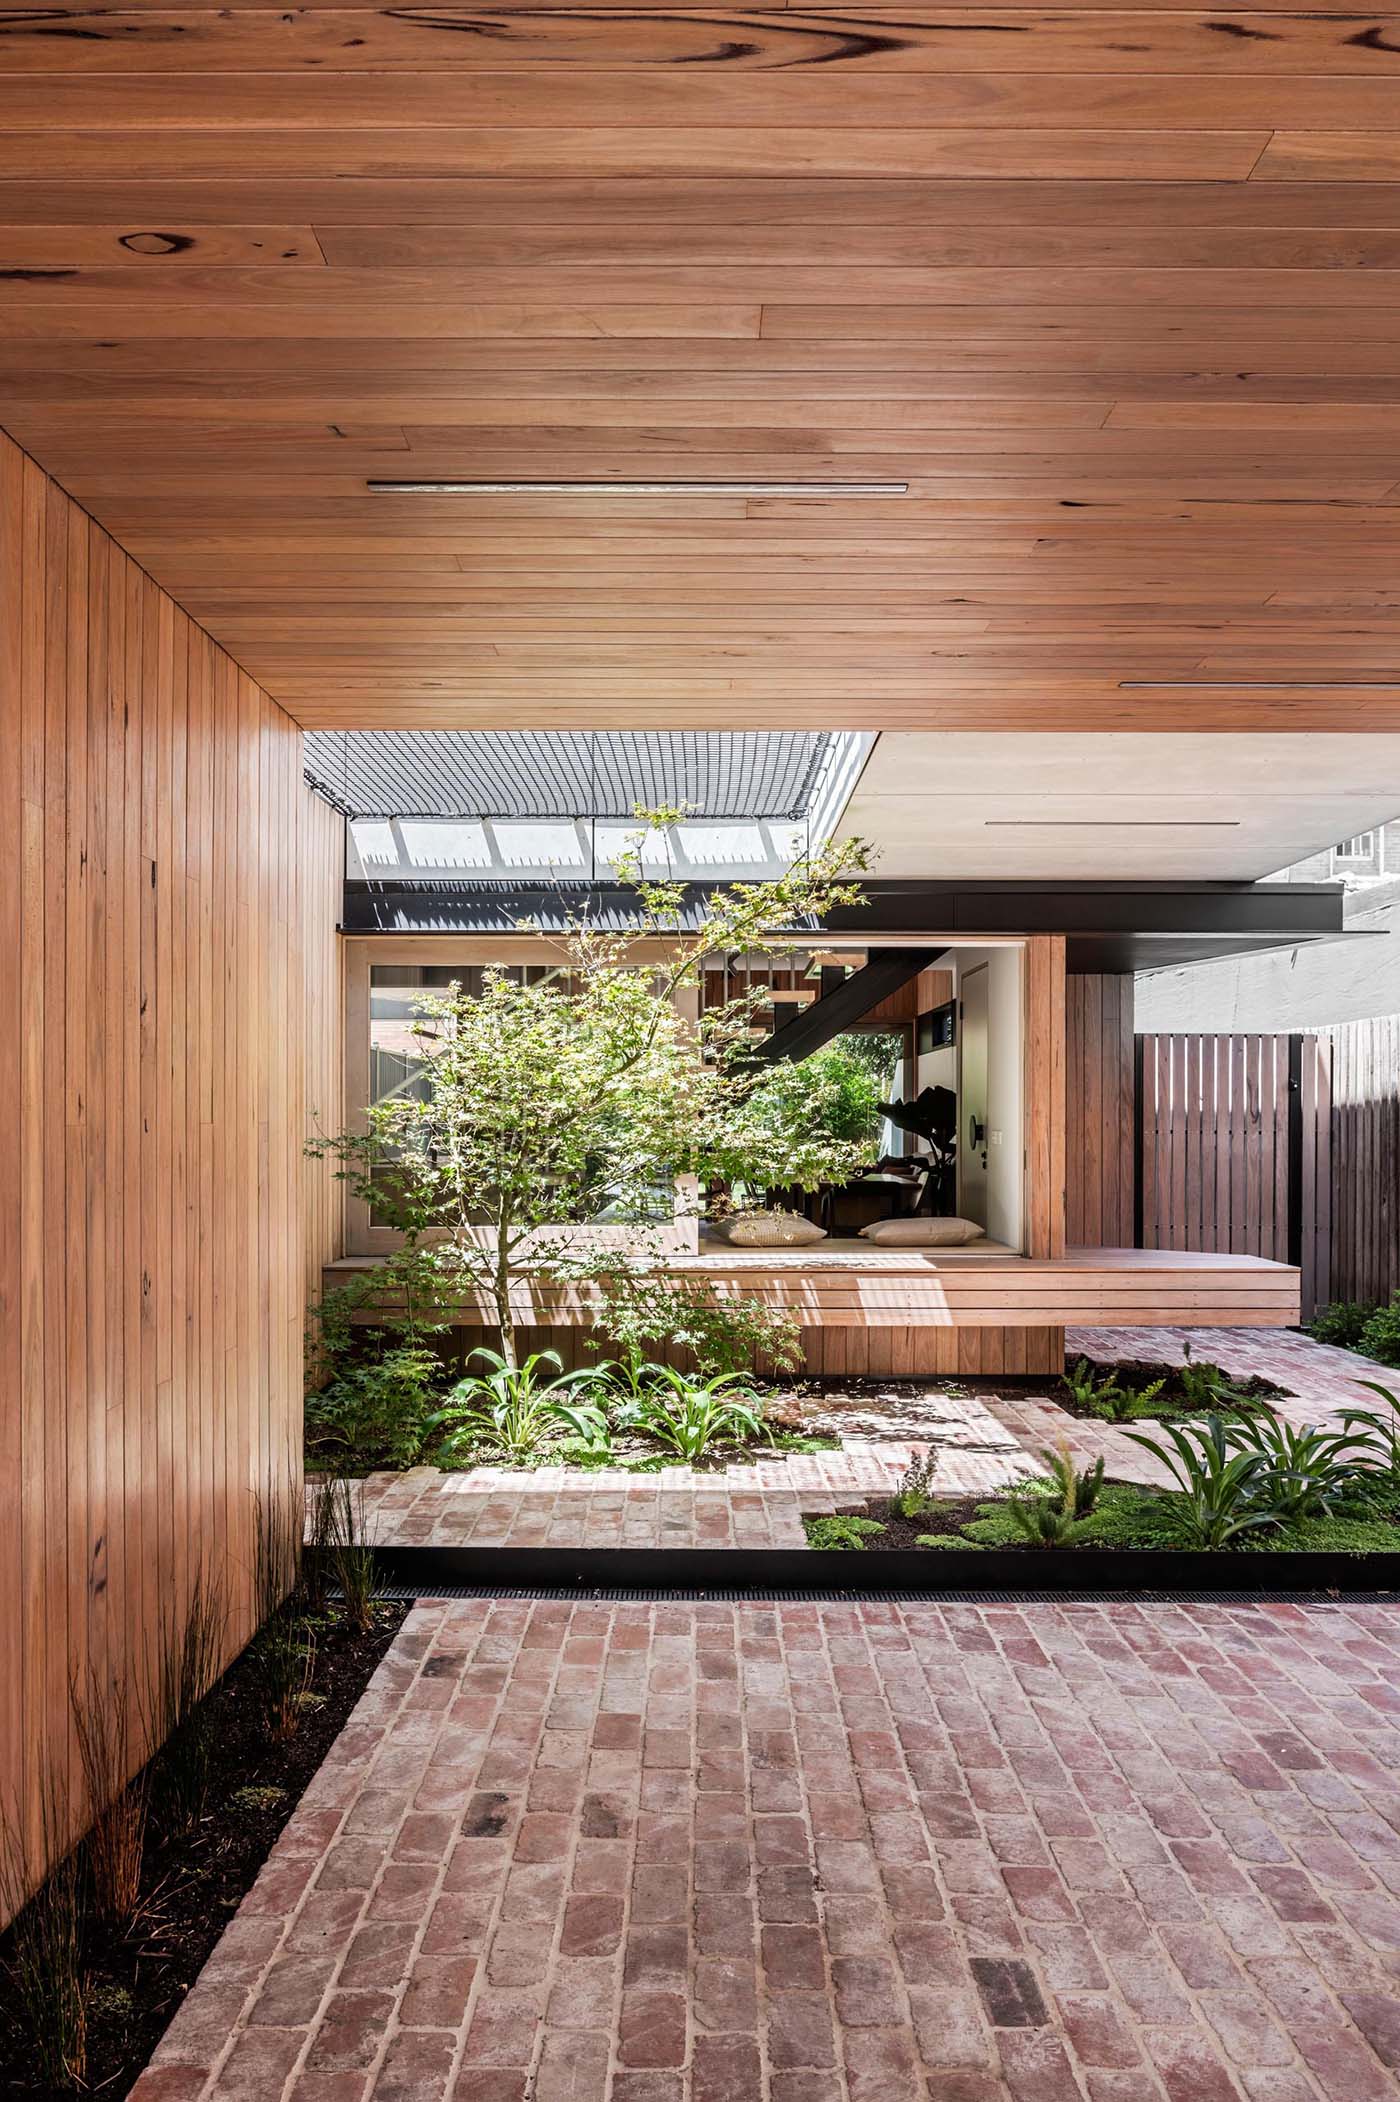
(752, 1506)
(755, 1852)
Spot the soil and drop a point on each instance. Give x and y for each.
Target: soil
(945, 1516)
(194, 1881)
(644, 1456)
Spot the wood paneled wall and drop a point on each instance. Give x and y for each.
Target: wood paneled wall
(323, 966)
(1044, 1108)
(930, 989)
(852, 1350)
(1249, 1141)
(1099, 1092)
(154, 836)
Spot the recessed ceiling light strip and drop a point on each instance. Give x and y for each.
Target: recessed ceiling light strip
(1235, 685)
(1119, 824)
(622, 488)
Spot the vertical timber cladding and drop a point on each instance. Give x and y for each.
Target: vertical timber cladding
(1099, 1110)
(1282, 1146)
(154, 835)
(1045, 1095)
(322, 889)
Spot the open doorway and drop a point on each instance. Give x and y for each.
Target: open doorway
(972, 1093)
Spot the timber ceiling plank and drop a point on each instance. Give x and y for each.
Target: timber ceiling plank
(1114, 290)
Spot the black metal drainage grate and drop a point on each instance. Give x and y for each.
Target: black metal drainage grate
(828, 1594)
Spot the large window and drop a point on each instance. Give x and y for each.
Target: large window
(966, 1059)
(398, 1031)
(1359, 855)
(389, 1036)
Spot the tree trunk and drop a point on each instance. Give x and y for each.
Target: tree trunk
(500, 1290)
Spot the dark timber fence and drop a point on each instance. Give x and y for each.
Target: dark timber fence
(1286, 1147)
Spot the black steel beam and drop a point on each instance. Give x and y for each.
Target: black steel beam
(885, 972)
(1109, 926)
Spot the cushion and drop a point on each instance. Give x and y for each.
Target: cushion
(770, 1230)
(922, 1233)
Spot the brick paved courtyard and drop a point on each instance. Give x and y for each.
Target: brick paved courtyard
(593, 1852)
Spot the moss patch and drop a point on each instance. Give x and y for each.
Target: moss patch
(1125, 1516)
(846, 1530)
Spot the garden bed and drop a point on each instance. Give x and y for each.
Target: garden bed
(636, 1455)
(194, 1876)
(1128, 1519)
(1131, 1390)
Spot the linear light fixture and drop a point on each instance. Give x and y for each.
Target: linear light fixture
(1264, 685)
(621, 488)
(1120, 824)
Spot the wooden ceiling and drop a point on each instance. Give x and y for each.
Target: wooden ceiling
(1116, 290)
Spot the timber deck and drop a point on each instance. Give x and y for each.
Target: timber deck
(854, 1286)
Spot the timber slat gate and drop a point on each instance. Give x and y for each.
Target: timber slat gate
(1285, 1146)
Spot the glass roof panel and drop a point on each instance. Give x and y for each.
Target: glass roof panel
(473, 774)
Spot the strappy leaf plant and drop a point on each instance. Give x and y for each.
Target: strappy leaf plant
(1373, 1435)
(1306, 1472)
(1219, 1485)
(514, 1408)
(687, 1415)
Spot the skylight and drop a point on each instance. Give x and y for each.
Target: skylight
(435, 806)
(569, 773)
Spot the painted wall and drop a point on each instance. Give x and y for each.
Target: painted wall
(937, 1068)
(1311, 987)
(160, 864)
(1005, 1078)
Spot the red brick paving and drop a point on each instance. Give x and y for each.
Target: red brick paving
(1070, 1852)
(746, 1506)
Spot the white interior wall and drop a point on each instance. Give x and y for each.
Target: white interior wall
(1005, 1088)
(937, 1068)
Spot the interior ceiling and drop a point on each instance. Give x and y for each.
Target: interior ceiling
(1147, 807)
(1117, 291)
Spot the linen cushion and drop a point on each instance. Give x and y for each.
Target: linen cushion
(772, 1229)
(922, 1233)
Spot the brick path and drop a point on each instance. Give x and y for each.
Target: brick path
(1038, 1425)
(592, 1852)
(757, 1506)
(1320, 1381)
